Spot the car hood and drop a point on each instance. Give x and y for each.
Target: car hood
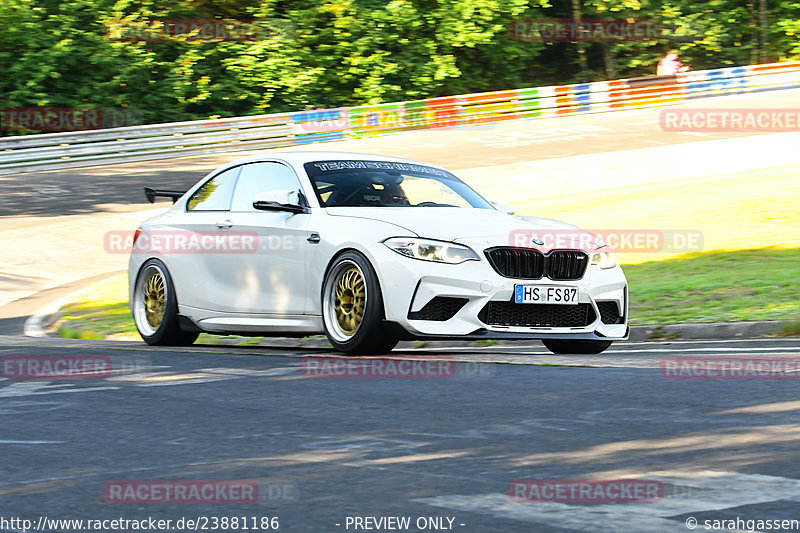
(479, 227)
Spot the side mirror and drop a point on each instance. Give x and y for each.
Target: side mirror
(291, 201)
(505, 208)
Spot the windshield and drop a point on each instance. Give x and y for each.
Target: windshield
(389, 184)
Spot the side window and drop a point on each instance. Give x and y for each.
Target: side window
(215, 194)
(257, 178)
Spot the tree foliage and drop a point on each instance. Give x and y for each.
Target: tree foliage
(332, 53)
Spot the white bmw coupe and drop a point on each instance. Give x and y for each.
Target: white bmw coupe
(369, 250)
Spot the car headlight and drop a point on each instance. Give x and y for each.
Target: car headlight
(428, 250)
(604, 258)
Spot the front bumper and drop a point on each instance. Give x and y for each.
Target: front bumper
(409, 284)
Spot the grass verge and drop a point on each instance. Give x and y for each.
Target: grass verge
(716, 287)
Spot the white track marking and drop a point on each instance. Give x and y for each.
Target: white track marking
(31, 442)
(40, 388)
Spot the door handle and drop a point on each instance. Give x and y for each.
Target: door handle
(313, 238)
(223, 224)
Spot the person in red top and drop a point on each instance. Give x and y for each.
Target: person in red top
(670, 65)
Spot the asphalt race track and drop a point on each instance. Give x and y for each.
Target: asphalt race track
(322, 450)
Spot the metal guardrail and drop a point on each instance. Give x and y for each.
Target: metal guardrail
(53, 151)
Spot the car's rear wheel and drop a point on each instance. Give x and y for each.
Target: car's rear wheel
(577, 346)
(352, 307)
(155, 307)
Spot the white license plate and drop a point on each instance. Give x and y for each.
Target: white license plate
(546, 294)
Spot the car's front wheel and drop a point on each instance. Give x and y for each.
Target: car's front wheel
(155, 307)
(352, 307)
(577, 346)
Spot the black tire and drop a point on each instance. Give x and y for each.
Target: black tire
(167, 331)
(349, 333)
(577, 346)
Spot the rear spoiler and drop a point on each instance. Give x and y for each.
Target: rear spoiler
(151, 194)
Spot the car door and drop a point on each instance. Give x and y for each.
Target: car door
(201, 263)
(272, 281)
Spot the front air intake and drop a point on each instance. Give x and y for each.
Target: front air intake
(439, 309)
(537, 315)
(609, 312)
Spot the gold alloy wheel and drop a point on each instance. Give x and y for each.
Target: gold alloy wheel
(155, 299)
(349, 300)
